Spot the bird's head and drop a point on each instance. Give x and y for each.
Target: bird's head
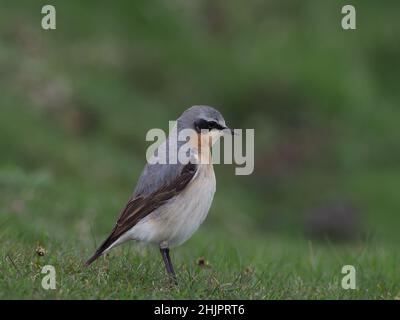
(206, 121)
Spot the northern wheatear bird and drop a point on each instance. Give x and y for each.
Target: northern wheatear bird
(171, 200)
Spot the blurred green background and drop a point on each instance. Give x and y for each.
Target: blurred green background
(76, 104)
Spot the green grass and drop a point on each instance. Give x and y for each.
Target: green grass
(76, 103)
(239, 263)
(278, 269)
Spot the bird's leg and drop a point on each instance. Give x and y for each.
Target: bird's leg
(168, 264)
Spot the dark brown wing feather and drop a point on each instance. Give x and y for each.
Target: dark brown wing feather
(139, 207)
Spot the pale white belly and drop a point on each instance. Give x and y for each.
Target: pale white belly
(176, 221)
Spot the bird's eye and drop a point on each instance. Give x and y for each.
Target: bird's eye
(201, 124)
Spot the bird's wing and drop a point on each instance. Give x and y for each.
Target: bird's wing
(142, 204)
(156, 175)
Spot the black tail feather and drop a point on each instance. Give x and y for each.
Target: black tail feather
(92, 258)
(99, 252)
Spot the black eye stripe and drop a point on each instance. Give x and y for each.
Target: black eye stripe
(201, 125)
(218, 126)
(207, 125)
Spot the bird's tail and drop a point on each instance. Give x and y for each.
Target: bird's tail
(101, 250)
(92, 258)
